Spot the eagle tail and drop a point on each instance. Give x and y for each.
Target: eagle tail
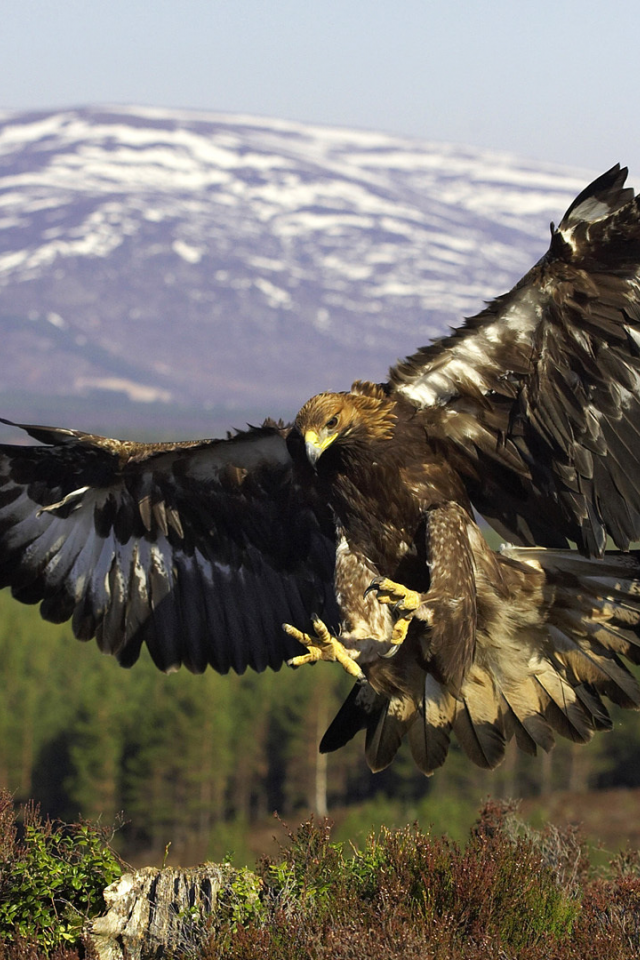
(361, 708)
(543, 680)
(481, 726)
(385, 719)
(364, 709)
(384, 737)
(593, 619)
(430, 735)
(549, 680)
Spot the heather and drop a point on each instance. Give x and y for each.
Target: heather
(508, 892)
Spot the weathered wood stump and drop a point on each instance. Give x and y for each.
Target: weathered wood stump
(153, 912)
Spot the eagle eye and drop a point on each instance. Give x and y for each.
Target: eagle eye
(333, 422)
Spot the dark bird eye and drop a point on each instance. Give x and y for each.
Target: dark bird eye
(332, 423)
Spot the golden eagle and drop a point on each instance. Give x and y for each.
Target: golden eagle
(355, 528)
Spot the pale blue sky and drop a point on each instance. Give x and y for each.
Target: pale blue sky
(555, 79)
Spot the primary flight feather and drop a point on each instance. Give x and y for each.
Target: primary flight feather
(354, 527)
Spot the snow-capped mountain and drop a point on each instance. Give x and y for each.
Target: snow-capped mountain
(213, 259)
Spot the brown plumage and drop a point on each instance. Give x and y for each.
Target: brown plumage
(517, 643)
(355, 525)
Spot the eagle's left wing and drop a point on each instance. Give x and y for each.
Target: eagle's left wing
(536, 400)
(201, 550)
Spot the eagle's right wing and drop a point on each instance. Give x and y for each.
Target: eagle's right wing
(536, 400)
(201, 550)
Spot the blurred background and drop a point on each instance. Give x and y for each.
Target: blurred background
(208, 212)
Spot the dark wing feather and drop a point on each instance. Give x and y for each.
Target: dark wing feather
(200, 550)
(538, 397)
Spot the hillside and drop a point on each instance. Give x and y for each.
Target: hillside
(176, 261)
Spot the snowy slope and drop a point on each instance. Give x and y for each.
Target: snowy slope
(207, 258)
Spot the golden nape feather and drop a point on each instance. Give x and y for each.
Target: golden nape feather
(355, 526)
(364, 414)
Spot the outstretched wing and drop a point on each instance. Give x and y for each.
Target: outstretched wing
(200, 550)
(537, 398)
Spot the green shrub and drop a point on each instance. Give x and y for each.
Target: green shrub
(52, 878)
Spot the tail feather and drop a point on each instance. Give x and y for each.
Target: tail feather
(591, 663)
(429, 737)
(593, 618)
(595, 706)
(605, 627)
(528, 705)
(515, 728)
(565, 711)
(479, 723)
(482, 742)
(384, 737)
(359, 711)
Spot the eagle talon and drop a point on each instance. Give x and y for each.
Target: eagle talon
(323, 646)
(395, 594)
(375, 583)
(403, 602)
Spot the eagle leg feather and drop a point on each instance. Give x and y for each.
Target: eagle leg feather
(323, 646)
(404, 601)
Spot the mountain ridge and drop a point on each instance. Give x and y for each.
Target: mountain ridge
(209, 260)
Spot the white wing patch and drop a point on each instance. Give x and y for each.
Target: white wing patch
(474, 364)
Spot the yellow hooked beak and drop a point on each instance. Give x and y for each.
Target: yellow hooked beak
(315, 444)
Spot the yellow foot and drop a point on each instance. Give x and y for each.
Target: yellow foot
(323, 647)
(405, 602)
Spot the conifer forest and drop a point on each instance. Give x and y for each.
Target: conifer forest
(202, 763)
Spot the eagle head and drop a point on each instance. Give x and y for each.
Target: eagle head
(355, 417)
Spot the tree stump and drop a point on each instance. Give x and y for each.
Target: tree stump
(154, 911)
